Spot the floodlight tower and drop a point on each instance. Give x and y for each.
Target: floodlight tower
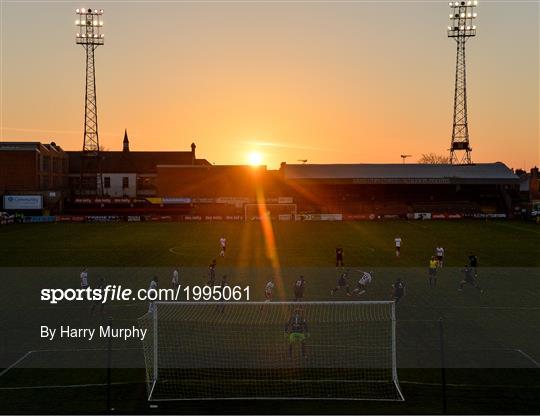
(461, 29)
(90, 23)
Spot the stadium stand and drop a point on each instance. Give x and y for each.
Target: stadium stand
(160, 183)
(398, 189)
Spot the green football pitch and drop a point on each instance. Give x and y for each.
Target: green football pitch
(492, 340)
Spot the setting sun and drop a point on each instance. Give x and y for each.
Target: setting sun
(254, 158)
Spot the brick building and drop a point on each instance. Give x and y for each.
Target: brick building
(34, 168)
(529, 187)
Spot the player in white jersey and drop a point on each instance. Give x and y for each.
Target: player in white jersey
(84, 279)
(223, 245)
(175, 278)
(397, 242)
(153, 286)
(439, 250)
(363, 283)
(268, 291)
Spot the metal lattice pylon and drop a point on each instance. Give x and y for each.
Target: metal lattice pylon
(91, 137)
(462, 17)
(90, 37)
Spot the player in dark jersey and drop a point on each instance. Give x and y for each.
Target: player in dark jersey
(299, 286)
(339, 257)
(296, 331)
(469, 277)
(398, 290)
(473, 262)
(212, 273)
(342, 282)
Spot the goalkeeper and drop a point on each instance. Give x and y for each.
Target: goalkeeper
(342, 282)
(296, 331)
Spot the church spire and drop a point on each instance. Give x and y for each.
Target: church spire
(126, 142)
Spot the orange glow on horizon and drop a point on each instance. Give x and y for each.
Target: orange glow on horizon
(248, 87)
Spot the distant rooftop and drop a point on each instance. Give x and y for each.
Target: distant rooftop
(127, 161)
(29, 146)
(398, 173)
(136, 161)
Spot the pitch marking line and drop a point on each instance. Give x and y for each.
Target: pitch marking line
(513, 226)
(69, 386)
(470, 308)
(435, 384)
(30, 352)
(528, 357)
(23, 357)
(438, 384)
(173, 250)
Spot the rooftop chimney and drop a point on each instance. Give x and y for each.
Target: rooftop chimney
(193, 146)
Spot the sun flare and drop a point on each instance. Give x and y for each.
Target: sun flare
(255, 158)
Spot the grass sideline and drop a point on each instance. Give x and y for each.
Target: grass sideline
(504, 318)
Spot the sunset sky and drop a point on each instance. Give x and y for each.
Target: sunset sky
(331, 82)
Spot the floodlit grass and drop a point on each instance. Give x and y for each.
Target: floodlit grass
(483, 330)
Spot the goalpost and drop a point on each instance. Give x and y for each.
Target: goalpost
(241, 350)
(254, 211)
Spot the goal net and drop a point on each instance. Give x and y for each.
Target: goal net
(254, 211)
(252, 350)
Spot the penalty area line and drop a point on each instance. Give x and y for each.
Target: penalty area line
(525, 355)
(438, 384)
(509, 308)
(69, 386)
(30, 352)
(14, 364)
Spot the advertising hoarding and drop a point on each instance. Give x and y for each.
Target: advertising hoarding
(23, 202)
